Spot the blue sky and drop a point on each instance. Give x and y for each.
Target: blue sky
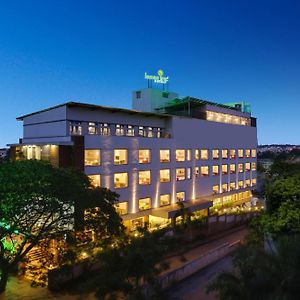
(97, 52)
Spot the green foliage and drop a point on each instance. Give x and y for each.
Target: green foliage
(262, 275)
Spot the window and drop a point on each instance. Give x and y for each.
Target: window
(120, 130)
(189, 173)
(180, 196)
(144, 156)
(204, 171)
(253, 166)
(188, 154)
(247, 167)
(241, 184)
(144, 203)
(104, 129)
(241, 168)
(180, 174)
(253, 181)
(165, 175)
(142, 131)
(121, 208)
(247, 153)
(130, 130)
(164, 155)
(215, 170)
(204, 154)
(95, 180)
(138, 94)
(92, 128)
(247, 183)
(224, 153)
(150, 132)
(75, 128)
(197, 154)
(159, 132)
(120, 180)
(180, 155)
(145, 177)
(241, 153)
(165, 199)
(232, 154)
(232, 168)
(224, 187)
(215, 154)
(91, 157)
(120, 156)
(196, 172)
(215, 189)
(253, 153)
(232, 186)
(224, 169)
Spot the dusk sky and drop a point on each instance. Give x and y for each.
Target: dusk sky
(97, 52)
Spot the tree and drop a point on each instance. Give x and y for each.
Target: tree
(262, 275)
(37, 202)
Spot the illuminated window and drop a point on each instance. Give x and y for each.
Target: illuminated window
(215, 189)
(189, 173)
(188, 154)
(144, 203)
(196, 171)
(241, 168)
(247, 183)
(224, 187)
(241, 184)
(150, 132)
(130, 130)
(232, 186)
(253, 153)
(144, 156)
(227, 118)
(95, 180)
(104, 129)
(204, 154)
(224, 153)
(180, 174)
(121, 208)
(165, 175)
(232, 154)
(247, 153)
(180, 155)
(75, 128)
(165, 199)
(247, 167)
(120, 130)
(145, 177)
(180, 196)
(197, 156)
(253, 181)
(224, 169)
(253, 166)
(164, 155)
(241, 153)
(215, 170)
(120, 180)
(92, 128)
(204, 171)
(215, 154)
(142, 131)
(91, 157)
(232, 168)
(120, 156)
(35, 152)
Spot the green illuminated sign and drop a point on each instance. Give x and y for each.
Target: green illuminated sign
(159, 78)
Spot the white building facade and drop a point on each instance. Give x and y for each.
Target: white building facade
(162, 151)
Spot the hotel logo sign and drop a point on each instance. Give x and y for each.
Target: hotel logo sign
(159, 78)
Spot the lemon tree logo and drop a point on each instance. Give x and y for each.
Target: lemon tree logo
(159, 78)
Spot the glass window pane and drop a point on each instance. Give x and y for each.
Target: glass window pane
(120, 156)
(144, 156)
(92, 157)
(164, 155)
(120, 180)
(165, 175)
(144, 177)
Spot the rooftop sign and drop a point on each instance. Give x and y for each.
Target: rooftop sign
(159, 78)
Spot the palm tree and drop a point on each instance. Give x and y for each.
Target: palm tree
(262, 275)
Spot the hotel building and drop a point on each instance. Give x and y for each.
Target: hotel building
(163, 150)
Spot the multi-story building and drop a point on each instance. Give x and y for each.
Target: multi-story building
(162, 151)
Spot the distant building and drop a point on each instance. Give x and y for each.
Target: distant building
(3, 153)
(163, 150)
